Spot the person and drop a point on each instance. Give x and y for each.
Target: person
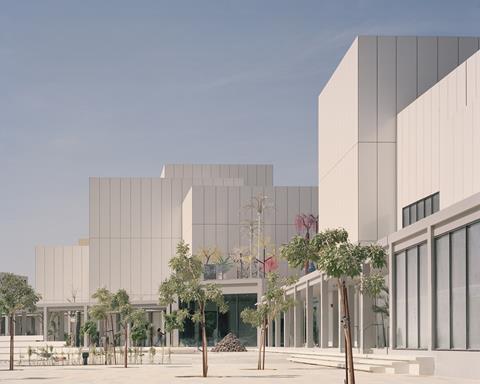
(160, 335)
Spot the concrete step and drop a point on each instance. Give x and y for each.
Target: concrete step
(338, 364)
(394, 366)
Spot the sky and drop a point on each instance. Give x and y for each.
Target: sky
(118, 88)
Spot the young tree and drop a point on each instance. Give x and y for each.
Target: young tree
(272, 303)
(89, 328)
(375, 287)
(129, 316)
(300, 252)
(305, 224)
(340, 259)
(185, 285)
(16, 295)
(103, 311)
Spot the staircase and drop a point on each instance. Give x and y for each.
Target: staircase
(373, 363)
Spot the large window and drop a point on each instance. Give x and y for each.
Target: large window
(420, 209)
(410, 298)
(457, 288)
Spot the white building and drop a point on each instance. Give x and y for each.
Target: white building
(399, 132)
(136, 223)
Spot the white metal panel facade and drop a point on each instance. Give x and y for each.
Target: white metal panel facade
(439, 137)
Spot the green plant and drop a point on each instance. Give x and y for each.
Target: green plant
(103, 311)
(272, 303)
(185, 285)
(151, 353)
(16, 295)
(224, 264)
(90, 328)
(340, 259)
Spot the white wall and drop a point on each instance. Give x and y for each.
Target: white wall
(136, 223)
(218, 215)
(377, 78)
(61, 272)
(248, 174)
(439, 140)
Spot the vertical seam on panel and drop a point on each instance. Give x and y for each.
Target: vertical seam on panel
(110, 233)
(131, 239)
(120, 234)
(151, 231)
(358, 144)
(466, 83)
(377, 144)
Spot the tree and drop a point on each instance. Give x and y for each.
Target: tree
(140, 325)
(272, 303)
(103, 311)
(185, 285)
(300, 251)
(16, 295)
(374, 286)
(305, 224)
(89, 328)
(340, 259)
(129, 316)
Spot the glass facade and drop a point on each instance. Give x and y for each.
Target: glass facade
(420, 209)
(218, 325)
(457, 288)
(410, 298)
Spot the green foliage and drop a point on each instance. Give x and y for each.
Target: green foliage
(16, 295)
(139, 326)
(185, 284)
(273, 302)
(175, 320)
(90, 329)
(299, 251)
(339, 258)
(375, 287)
(224, 263)
(103, 307)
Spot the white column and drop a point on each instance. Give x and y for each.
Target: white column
(278, 330)
(309, 314)
(391, 295)
(287, 318)
(270, 334)
(298, 318)
(323, 322)
(168, 337)
(7, 328)
(45, 324)
(430, 288)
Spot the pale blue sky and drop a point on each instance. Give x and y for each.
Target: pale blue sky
(118, 88)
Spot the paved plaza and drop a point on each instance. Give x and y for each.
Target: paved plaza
(223, 368)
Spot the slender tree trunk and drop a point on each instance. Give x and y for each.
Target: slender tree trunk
(11, 331)
(204, 344)
(125, 360)
(307, 263)
(264, 342)
(260, 346)
(348, 334)
(105, 331)
(113, 340)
